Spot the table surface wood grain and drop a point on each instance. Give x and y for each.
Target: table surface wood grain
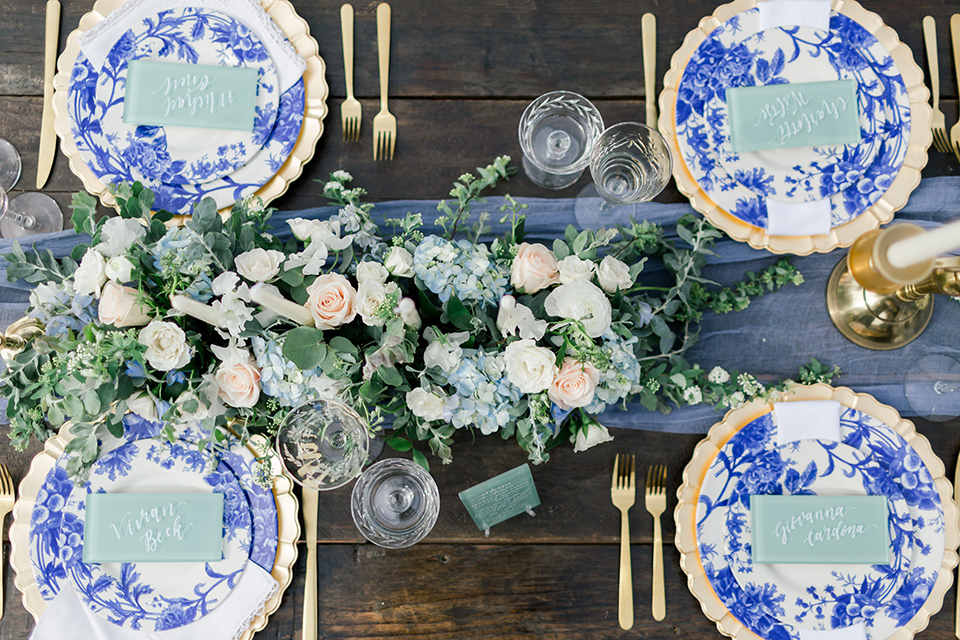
(461, 75)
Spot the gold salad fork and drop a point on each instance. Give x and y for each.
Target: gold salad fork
(623, 492)
(7, 498)
(384, 123)
(955, 37)
(350, 109)
(656, 502)
(938, 123)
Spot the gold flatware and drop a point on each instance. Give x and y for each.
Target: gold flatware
(7, 498)
(955, 130)
(350, 109)
(623, 491)
(311, 499)
(937, 123)
(48, 137)
(648, 28)
(384, 123)
(656, 502)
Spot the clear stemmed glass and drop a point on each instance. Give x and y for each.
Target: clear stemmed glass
(9, 165)
(323, 444)
(557, 131)
(630, 163)
(28, 214)
(932, 387)
(395, 503)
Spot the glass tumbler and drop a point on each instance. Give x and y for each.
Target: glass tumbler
(557, 131)
(395, 503)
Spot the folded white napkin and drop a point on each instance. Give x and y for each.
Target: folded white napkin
(784, 13)
(98, 41)
(798, 218)
(855, 632)
(807, 420)
(67, 617)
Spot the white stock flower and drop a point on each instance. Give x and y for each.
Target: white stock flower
(91, 275)
(444, 351)
(119, 234)
(119, 269)
(426, 405)
(371, 271)
(232, 314)
(302, 228)
(259, 265)
(614, 274)
(529, 368)
(514, 319)
(144, 406)
(225, 283)
(166, 345)
(595, 434)
(573, 269)
(583, 301)
(371, 294)
(399, 262)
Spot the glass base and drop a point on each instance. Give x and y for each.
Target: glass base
(593, 212)
(395, 503)
(10, 165)
(547, 180)
(932, 387)
(39, 207)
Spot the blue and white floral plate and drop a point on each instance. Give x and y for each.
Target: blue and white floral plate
(184, 155)
(740, 455)
(865, 183)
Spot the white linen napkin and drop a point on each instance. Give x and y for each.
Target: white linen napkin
(807, 420)
(98, 41)
(67, 617)
(854, 632)
(798, 218)
(784, 13)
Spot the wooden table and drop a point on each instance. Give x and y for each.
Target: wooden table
(461, 75)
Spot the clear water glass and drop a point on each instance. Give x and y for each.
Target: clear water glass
(932, 387)
(28, 214)
(395, 503)
(630, 162)
(10, 165)
(557, 131)
(323, 444)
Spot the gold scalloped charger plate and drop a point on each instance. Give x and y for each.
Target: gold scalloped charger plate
(881, 212)
(288, 528)
(705, 453)
(316, 92)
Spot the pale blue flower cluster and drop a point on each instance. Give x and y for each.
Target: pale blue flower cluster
(60, 310)
(182, 251)
(365, 232)
(487, 400)
(462, 269)
(620, 378)
(282, 380)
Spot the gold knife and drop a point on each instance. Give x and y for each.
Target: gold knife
(48, 137)
(311, 500)
(648, 29)
(956, 496)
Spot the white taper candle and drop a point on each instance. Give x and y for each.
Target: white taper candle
(268, 297)
(194, 309)
(926, 246)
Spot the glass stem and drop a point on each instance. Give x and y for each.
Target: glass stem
(23, 220)
(943, 387)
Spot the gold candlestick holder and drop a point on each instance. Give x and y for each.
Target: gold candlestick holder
(15, 338)
(882, 307)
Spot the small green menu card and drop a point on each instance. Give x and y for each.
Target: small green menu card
(190, 95)
(819, 529)
(781, 116)
(153, 527)
(502, 497)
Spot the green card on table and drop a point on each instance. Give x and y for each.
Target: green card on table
(502, 497)
(190, 95)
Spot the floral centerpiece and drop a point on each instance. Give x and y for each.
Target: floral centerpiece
(220, 322)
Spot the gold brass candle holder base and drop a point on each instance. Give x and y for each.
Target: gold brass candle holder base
(879, 321)
(18, 334)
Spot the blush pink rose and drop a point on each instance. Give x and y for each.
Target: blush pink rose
(118, 307)
(575, 385)
(239, 383)
(333, 301)
(534, 268)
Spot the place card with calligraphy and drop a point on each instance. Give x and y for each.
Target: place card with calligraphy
(153, 527)
(501, 498)
(819, 529)
(190, 95)
(781, 116)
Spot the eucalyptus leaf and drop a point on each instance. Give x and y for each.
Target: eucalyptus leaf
(305, 347)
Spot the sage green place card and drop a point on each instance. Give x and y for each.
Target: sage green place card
(190, 95)
(153, 527)
(502, 497)
(819, 529)
(781, 116)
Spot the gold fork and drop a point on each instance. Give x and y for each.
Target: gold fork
(938, 123)
(623, 492)
(955, 36)
(656, 502)
(350, 109)
(384, 124)
(7, 497)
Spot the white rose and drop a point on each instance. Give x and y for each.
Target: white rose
(591, 436)
(237, 376)
(399, 262)
(583, 301)
(333, 301)
(573, 268)
(426, 405)
(371, 271)
(166, 345)
(259, 265)
(119, 269)
(370, 297)
(530, 368)
(575, 385)
(118, 307)
(91, 275)
(614, 274)
(118, 235)
(534, 268)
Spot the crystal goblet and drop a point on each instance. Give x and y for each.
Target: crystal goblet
(395, 503)
(932, 387)
(28, 214)
(10, 165)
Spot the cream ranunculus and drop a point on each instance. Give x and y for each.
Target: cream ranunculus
(399, 262)
(590, 436)
(91, 274)
(237, 376)
(530, 368)
(575, 385)
(534, 268)
(573, 268)
(583, 301)
(119, 269)
(370, 297)
(119, 307)
(614, 274)
(426, 405)
(166, 344)
(259, 265)
(371, 271)
(333, 301)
